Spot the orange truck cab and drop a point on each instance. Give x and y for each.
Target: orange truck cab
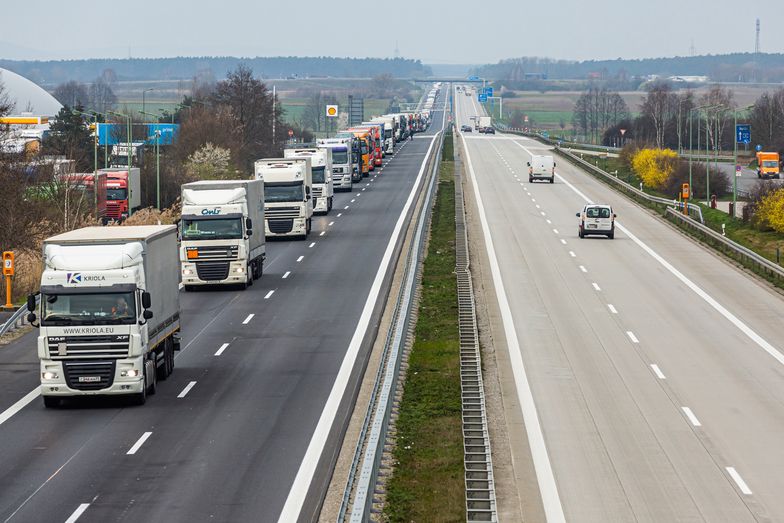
(768, 165)
(367, 136)
(365, 148)
(376, 141)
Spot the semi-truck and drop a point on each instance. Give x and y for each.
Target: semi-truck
(484, 123)
(123, 192)
(321, 169)
(109, 312)
(222, 234)
(768, 165)
(345, 167)
(288, 204)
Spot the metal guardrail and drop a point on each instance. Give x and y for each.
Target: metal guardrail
(370, 448)
(728, 247)
(17, 319)
(629, 189)
(477, 455)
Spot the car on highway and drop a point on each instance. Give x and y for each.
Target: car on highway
(596, 219)
(488, 130)
(465, 129)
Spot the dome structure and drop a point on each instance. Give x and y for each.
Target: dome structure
(28, 96)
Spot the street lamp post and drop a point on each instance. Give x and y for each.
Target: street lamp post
(144, 101)
(95, 156)
(128, 136)
(735, 163)
(157, 166)
(691, 147)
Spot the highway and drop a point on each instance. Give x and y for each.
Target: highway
(248, 426)
(648, 370)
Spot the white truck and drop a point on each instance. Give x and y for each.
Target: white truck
(484, 123)
(321, 169)
(109, 311)
(343, 164)
(388, 122)
(222, 238)
(541, 167)
(288, 205)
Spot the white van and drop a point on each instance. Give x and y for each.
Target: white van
(541, 168)
(596, 219)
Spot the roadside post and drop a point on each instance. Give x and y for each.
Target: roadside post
(8, 272)
(685, 195)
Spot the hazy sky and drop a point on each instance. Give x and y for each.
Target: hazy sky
(439, 31)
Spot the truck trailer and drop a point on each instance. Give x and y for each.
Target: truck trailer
(109, 312)
(222, 238)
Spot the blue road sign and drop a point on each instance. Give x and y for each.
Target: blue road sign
(489, 91)
(743, 133)
(482, 97)
(758, 148)
(473, 78)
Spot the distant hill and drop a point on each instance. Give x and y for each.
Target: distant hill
(52, 72)
(737, 67)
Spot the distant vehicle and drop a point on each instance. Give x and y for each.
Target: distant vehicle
(484, 123)
(768, 165)
(596, 219)
(488, 130)
(123, 192)
(466, 128)
(541, 167)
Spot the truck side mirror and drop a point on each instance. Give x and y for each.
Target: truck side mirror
(553, 164)
(248, 224)
(528, 164)
(147, 314)
(146, 300)
(31, 302)
(577, 214)
(307, 190)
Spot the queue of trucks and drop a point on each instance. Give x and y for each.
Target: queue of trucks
(108, 309)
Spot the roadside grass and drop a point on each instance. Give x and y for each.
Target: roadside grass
(428, 481)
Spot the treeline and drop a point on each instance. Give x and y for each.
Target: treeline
(181, 68)
(736, 67)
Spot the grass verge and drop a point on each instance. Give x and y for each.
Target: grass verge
(428, 483)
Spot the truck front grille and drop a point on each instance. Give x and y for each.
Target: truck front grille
(217, 252)
(89, 375)
(113, 210)
(98, 346)
(280, 226)
(212, 271)
(317, 192)
(281, 212)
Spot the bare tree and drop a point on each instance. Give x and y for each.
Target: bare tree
(72, 93)
(659, 106)
(722, 104)
(102, 97)
(597, 110)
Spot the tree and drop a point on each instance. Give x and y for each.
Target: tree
(770, 210)
(72, 94)
(767, 120)
(654, 166)
(597, 110)
(659, 106)
(70, 137)
(102, 97)
(722, 103)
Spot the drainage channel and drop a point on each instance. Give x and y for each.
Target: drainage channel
(479, 483)
(364, 493)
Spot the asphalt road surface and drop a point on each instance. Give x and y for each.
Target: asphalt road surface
(250, 420)
(650, 371)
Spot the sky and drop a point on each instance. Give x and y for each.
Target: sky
(434, 31)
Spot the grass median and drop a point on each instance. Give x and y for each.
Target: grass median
(428, 481)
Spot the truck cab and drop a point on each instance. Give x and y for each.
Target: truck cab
(343, 162)
(288, 201)
(768, 165)
(123, 192)
(321, 169)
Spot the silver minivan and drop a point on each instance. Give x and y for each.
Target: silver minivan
(596, 219)
(541, 167)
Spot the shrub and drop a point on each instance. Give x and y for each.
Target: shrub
(719, 181)
(771, 210)
(758, 192)
(654, 166)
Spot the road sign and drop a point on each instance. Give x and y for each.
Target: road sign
(473, 78)
(758, 148)
(332, 111)
(482, 98)
(743, 133)
(738, 170)
(8, 263)
(489, 91)
(545, 134)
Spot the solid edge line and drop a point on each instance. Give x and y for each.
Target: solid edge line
(544, 472)
(19, 405)
(77, 513)
(138, 444)
(299, 488)
(738, 480)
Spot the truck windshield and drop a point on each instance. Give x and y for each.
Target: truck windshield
(99, 308)
(770, 164)
(212, 229)
(284, 193)
(116, 194)
(318, 174)
(339, 156)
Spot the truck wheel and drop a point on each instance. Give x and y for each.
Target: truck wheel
(329, 204)
(552, 180)
(153, 386)
(51, 402)
(168, 360)
(611, 235)
(308, 226)
(141, 398)
(530, 180)
(188, 288)
(249, 272)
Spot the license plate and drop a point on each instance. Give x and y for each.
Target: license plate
(592, 226)
(89, 379)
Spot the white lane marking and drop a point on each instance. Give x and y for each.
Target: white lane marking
(572, 254)
(692, 418)
(311, 245)
(138, 444)
(250, 317)
(555, 231)
(548, 221)
(596, 286)
(19, 405)
(286, 274)
(612, 308)
(632, 337)
(658, 372)
(299, 489)
(222, 348)
(269, 295)
(745, 329)
(364, 188)
(359, 194)
(322, 233)
(538, 206)
(340, 214)
(582, 268)
(346, 207)
(187, 389)
(300, 259)
(544, 472)
(330, 224)
(738, 480)
(563, 241)
(352, 201)
(77, 513)
(533, 199)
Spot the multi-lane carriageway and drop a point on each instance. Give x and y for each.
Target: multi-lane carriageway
(248, 426)
(648, 370)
